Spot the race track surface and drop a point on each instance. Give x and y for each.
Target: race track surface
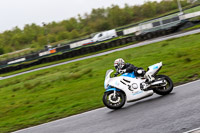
(177, 112)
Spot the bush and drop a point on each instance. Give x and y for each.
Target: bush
(1, 51)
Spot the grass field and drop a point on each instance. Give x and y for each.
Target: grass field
(194, 9)
(65, 90)
(193, 27)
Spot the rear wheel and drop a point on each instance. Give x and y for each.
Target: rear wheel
(114, 102)
(163, 89)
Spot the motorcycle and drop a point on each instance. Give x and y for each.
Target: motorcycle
(129, 88)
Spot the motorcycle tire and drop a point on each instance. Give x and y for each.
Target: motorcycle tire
(114, 103)
(164, 90)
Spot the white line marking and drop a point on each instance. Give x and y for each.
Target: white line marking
(193, 130)
(188, 83)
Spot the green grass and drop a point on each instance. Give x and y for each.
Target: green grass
(194, 9)
(65, 90)
(193, 27)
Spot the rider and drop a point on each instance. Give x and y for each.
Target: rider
(122, 67)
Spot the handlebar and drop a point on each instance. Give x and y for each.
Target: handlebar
(115, 75)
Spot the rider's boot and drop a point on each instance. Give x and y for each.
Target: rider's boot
(149, 79)
(145, 86)
(147, 83)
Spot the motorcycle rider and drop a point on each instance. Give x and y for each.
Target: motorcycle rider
(122, 67)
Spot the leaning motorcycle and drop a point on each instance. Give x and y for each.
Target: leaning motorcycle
(129, 88)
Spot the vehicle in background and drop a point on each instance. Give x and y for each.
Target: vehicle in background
(104, 35)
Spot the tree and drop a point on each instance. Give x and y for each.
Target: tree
(62, 35)
(117, 17)
(1, 51)
(57, 29)
(42, 40)
(74, 34)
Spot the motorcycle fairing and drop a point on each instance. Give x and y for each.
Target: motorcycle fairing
(112, 89)
(131, 75)
(131, 94)
(152, 70)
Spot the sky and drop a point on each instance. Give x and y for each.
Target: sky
(20, 12)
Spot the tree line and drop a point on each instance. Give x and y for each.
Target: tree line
(35, 36)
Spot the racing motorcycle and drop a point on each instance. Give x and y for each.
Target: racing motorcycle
(128, 87)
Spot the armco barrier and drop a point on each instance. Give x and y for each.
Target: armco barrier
(3, 63)
(32, 56)
(58, 49)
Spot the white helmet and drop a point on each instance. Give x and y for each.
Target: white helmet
(119, 63)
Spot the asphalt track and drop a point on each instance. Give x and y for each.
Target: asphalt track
(177, 112)
(108, 52)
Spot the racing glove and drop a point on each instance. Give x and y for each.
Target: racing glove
(122, 71)
(115, 75)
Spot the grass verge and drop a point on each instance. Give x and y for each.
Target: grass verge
(65, 90)
(192, 28)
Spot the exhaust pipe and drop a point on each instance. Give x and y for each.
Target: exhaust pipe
(158, 82)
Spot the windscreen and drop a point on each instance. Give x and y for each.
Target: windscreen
(108, 71)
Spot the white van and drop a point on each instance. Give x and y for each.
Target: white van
(104, 35)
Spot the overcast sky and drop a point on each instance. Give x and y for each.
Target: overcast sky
(20, 12)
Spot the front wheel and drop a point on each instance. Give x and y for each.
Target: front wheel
(114, 102)
(163, 89)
